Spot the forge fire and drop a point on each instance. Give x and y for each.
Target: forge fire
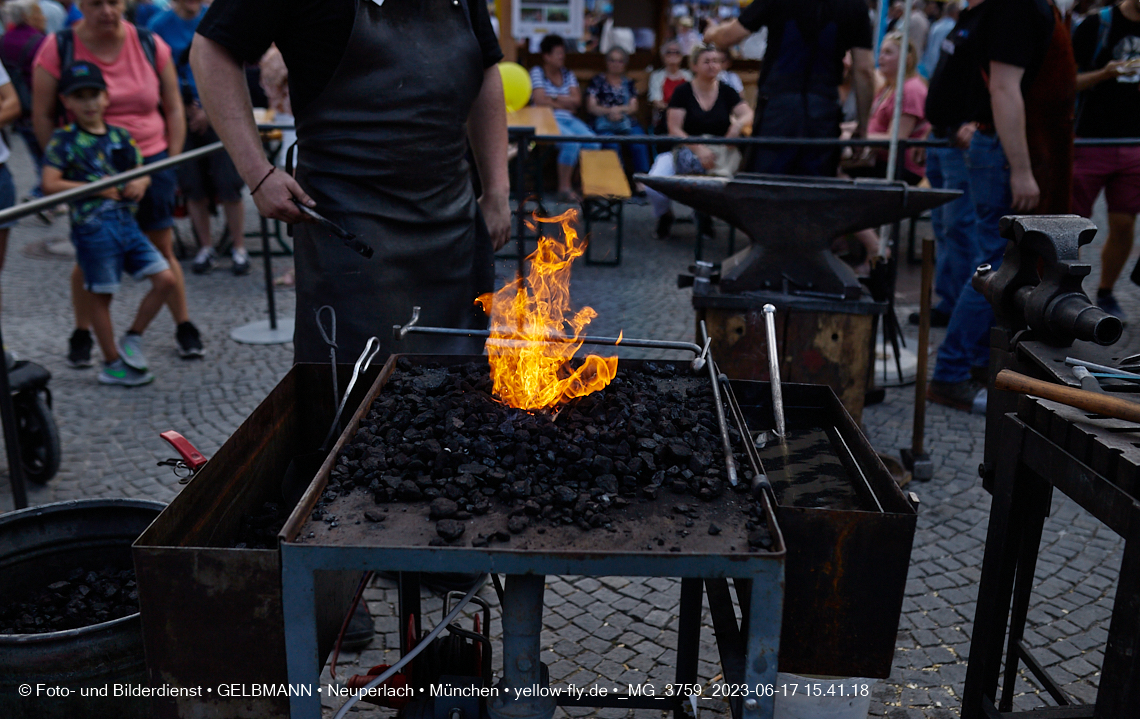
(529, 370)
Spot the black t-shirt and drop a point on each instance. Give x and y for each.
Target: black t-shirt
(311, 35)
(699, 121)
(802, 31)
(1013, 32)
(1110, 108)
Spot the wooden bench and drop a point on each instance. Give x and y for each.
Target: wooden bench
(604, 192)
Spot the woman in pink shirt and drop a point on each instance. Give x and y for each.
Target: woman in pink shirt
(145, 101)
(912, 121)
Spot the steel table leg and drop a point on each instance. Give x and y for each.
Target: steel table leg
(765, 616)
(302, 658)
(1120, 673)
(995, 588)
(522, 648)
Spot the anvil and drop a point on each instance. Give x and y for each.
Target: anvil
(792, 222)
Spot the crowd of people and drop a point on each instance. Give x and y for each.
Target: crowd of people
(1005, 82)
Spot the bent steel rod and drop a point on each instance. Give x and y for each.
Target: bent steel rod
(94, 188)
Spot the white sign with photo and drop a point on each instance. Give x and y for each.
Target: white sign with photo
(535, 18)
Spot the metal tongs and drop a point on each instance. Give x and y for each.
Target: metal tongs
(358, 246)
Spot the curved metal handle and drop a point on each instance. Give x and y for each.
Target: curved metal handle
(371, 349)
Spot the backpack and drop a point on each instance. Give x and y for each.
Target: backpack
(21, 83)
(65, 44)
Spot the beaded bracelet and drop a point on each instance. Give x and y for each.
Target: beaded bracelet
(255, 189)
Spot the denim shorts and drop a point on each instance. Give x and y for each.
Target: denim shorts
(156, 210)
(7, 194)
(109, 243)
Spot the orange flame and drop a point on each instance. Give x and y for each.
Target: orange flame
(529, 371)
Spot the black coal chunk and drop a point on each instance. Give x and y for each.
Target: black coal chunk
(450, 529)
(443, 508)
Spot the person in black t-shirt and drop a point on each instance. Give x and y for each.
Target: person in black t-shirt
(704, 106)
(1108, 58)
(803, 68)
(977, 97)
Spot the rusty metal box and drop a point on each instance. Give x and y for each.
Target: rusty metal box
(211, 614)
(846, 569)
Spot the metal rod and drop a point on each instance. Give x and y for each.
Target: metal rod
(1074, 362)
(918, 433)
(900, 79)
(774, 371)
(522, 139)
(399, 332)
(729, 460)
(94, 188)
(855, 463)
(269, 275)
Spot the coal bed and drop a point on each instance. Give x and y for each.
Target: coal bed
(437, 460)
(80, 599)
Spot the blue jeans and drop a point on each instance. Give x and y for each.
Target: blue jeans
(110, 243)
(953, 225)
(568, 151)
(784, 116)
(639, 152)
(156, 210)
(967, 338)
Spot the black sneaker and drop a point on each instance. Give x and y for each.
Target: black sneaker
(79, 349)
(956, 395)
(189, 341)
(204, 262)
(664, 226)
(241, 262)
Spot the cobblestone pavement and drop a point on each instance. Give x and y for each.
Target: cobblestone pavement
(615, 629)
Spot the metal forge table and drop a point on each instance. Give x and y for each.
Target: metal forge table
(309, 547)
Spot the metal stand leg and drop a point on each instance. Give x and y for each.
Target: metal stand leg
(522, 647)
(408, 588)
(688, 635)
(301, 653)
(271, 331)
(995, 588)
(1120, 673)
(11, 439)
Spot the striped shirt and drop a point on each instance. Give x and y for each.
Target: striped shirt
(539, 80)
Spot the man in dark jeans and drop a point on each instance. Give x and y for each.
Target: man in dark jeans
(1002, 42)
(803, 67)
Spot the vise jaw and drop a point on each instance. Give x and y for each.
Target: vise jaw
(1038, 286)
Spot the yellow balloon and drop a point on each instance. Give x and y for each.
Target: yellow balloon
(516, 85)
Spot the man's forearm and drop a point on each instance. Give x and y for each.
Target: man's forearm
(487, 131)
(726, 35)
(1009, 122)
(225, 98)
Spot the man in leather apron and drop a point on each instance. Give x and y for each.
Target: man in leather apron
(382, 145)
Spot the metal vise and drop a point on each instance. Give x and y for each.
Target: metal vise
(1038, 286)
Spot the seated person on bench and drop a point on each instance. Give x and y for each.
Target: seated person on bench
(612, 99)
(703, 107)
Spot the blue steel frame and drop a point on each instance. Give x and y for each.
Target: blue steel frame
(299, 562)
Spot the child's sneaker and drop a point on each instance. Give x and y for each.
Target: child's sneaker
(79, 349)
(189, 341)
(120, 373)
(130, 350)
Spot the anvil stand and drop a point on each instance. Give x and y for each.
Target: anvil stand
(826, 323)
(1034, 446)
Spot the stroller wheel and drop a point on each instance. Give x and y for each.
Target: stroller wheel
(38, 435)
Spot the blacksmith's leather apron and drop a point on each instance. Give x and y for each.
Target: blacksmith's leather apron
(381, 150)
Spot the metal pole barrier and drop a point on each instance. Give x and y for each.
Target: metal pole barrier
(271, 331)
(916, 459)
